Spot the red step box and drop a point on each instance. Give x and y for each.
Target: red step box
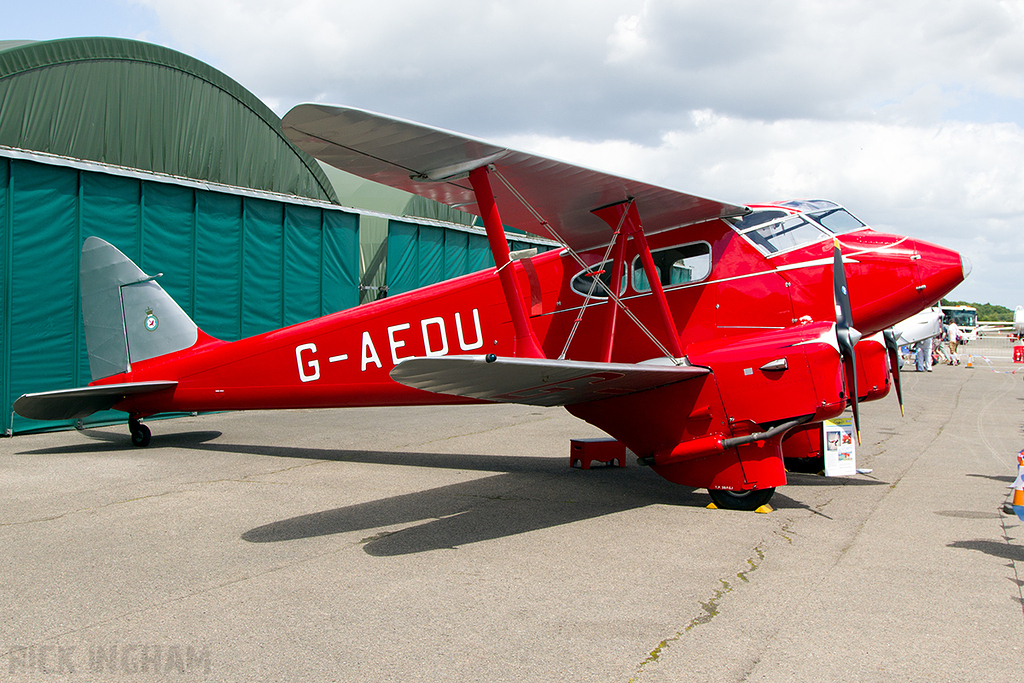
(603, 450)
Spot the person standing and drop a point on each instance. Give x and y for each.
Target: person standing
(954, 341)
(923, 360)
(941, 347)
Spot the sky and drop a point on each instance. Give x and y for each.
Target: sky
(910, 114)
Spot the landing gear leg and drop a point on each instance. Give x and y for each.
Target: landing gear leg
(741, 500)
(140, 432)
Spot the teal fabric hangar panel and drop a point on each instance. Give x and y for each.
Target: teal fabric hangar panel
(421, 255)
(5, 256)
(239, 265)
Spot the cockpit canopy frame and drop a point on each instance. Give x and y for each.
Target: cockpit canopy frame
(779, 228)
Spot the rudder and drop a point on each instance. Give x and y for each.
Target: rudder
(128, 317)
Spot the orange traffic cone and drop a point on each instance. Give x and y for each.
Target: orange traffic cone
(1018, 488)
(970, 361)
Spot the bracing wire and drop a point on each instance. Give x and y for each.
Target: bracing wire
(611, 295)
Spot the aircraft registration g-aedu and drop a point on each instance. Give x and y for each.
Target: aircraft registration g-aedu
(712, 339)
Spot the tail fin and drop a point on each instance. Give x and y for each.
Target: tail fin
(128, 317)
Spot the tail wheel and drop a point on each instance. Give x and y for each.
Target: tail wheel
(140, 433)
(741, 500)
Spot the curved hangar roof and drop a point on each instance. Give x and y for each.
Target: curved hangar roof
(142, 106)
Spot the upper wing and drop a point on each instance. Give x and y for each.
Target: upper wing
(535, 381)
(414, 157)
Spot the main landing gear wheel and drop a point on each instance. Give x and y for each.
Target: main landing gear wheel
(741, 500)
(140, 433)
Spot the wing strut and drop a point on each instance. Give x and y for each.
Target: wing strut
(526, 341)
(617, 242)
(618, 265)
(631, 227)
(676, 353)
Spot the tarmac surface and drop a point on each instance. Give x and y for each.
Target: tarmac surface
(456, 544)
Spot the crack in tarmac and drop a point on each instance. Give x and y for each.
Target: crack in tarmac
(85, 509)
(177, 488)
(710, 609)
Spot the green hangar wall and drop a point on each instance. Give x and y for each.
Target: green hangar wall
(420, 254)
(178, 166)
(239, 265)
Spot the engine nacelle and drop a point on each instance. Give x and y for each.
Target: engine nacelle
(765, 381)
(775, 376)
(724, 430)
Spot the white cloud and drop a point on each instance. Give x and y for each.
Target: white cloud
(910, 113)
(957, 184)
(626, 43)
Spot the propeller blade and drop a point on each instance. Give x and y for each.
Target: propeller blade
(894, 364)
(845, 333)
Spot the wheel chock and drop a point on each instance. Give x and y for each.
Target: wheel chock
(764, 509)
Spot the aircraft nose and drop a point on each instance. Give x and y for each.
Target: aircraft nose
(941, 270)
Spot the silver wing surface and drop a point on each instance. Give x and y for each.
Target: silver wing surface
(535, 381)
(432, 162)
(72, 404)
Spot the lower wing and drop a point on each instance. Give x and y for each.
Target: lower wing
(535, 381)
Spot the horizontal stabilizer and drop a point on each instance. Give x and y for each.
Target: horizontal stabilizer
(72, 404)
(533, 381)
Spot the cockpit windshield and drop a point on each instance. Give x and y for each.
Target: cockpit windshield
(838, 220)
(828, 214)
(774, 230)
(788, 234)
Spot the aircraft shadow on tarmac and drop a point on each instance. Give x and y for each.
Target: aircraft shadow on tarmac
(527, 494)
(1009, 479)
(995, 548)
(483, 509)
(107, 441)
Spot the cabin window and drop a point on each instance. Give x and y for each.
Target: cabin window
(675, 266)
(788, 234)
(838, 220)
(582, 281)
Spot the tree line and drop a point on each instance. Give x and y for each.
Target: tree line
(986, 312)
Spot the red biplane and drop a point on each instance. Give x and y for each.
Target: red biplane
(711, 339)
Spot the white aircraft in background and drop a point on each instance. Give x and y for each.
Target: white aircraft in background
(918, 327)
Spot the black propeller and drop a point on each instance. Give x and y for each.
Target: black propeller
(845, 332)
(894, 359)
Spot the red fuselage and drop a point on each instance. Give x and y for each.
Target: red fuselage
(723, 285)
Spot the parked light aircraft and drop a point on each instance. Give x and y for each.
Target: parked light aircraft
(710, 338)
(923, 325)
